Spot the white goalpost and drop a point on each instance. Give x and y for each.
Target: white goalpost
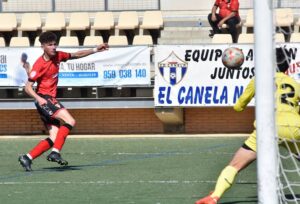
(267, 164)
(278, 160)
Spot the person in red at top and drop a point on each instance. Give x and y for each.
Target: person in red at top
(45, 73)
(228, 14)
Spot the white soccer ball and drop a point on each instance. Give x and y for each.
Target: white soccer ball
(233, 57)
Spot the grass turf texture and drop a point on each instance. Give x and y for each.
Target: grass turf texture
(133, 170)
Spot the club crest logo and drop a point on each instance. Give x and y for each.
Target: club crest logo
(173, 69)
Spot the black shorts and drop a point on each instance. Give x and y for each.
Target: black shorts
(48, 110)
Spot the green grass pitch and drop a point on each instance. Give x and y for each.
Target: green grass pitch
(124, 170)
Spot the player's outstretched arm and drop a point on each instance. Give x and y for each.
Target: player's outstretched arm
(246, 97)
(84, 53)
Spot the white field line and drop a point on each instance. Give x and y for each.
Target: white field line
(112, 182)
(171, 153)
(183, 136)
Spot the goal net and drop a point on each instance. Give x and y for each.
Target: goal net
(286, 20)
(289, 172)
(278, 165)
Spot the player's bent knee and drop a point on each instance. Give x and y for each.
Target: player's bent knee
(69, 126)
(70, 122)
(52, 137)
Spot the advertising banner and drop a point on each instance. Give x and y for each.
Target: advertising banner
(128, 66)
(193, 76)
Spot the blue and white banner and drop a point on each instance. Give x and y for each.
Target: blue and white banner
(193, 76)
(128, 66)
(12, 72)
(190, 76)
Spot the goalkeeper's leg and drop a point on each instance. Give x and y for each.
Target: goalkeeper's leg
(242, 158)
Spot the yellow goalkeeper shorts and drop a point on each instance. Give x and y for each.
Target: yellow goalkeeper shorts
(288, 133)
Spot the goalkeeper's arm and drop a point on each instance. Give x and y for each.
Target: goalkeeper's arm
(246, 97)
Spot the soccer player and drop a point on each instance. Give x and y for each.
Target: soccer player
(287, 122)
(45, 73)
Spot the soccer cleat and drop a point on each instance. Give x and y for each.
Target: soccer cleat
(55, 157)
(25, 162)
(208, 200)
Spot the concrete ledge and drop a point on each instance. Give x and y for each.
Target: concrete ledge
(25, 104)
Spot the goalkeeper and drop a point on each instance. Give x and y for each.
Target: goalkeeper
(287, 122)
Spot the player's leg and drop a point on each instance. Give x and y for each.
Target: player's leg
(64, 130)
(49, 110)
(58, 112)
(242, 158)
(53, 130)
(43, 146)
(62, 114)
(60, 138)
(52, 126)
(54, 156)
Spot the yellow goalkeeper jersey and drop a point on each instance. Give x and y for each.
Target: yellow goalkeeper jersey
(287, 98)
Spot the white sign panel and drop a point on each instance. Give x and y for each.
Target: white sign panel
(195, 76)
(190, 76)
(116, 67)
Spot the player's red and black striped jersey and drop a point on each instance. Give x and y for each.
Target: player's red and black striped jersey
(45, 73)
(226, 7)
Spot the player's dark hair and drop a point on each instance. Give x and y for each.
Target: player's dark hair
(47, 37)
(283, 59)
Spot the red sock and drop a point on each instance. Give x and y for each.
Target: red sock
(62, 134)
(40, 148)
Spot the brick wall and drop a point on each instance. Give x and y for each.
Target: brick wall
(131, 121)
(218, 120)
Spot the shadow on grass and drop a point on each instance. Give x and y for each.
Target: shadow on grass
(104, 163)
(240, 201)
(251, 199)
(255, 199)
(234, 200)
(62, 168)
(79, 167)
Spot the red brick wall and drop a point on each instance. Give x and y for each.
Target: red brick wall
(131, 121)
(109, 121)
(218, 120)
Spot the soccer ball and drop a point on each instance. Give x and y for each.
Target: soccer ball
(233, 57)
